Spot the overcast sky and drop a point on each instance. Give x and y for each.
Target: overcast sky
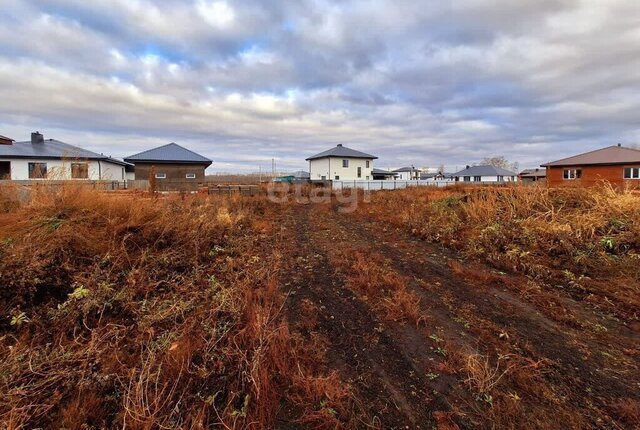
(413, 82)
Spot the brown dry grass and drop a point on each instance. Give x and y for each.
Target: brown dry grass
(584, 241)
(149, 313)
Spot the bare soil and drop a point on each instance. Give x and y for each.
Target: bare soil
(408, 375)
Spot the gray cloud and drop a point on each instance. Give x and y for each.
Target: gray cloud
(421, 82)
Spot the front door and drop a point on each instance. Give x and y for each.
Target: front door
(5, 170)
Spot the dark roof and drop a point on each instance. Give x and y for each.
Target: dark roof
(301, 174)
(610, 155)
(540, 173)
(381, 172)
(406, 169)
(344, 152)
(51, 149)
(170, 153)
(484, 171)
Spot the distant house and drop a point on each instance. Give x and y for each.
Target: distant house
(408, 173)
(298, 176)
(532, 175)
(170, 163)
(485, 174)
(301, 175)
(4, 140)
(42, 158)
(439, 176)
(614, 164)
(383, 175)
(341, 163)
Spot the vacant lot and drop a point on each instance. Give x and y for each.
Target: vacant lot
(509, 308)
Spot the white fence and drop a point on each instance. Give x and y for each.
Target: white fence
(388, 185)
(399, 185)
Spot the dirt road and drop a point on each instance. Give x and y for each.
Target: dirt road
(481, 353)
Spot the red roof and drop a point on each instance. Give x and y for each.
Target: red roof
(610, 155)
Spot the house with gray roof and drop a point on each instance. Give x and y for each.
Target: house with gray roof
(41, 158)
(170, 163)
(485, 173)
(341, 164)
(408, 173)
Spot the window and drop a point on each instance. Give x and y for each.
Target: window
(500, 178)
(359, 172)
(79, 171)
(477, 179)
(37, 170)
(345, 163)
(367, 164)
(467, 179)
(367, 178)
(572, 173)
(161, 176)
(337, 178)
(632, 172)
(190, 176)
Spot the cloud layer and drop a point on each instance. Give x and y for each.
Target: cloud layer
(414, 82)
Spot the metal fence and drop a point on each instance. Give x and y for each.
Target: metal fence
(96, 185)
(399, 185)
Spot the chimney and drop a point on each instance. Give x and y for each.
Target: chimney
(468, 167)
(36, 137)
(340, 145)
(619, 145)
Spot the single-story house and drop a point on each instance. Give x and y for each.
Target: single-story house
(408, 173)
(170, 163)
(616, 164)
(42, 158)
(297, 176)
(532, 175)
(439, 176)
(485, 174)
(383, 175)
(301, 175)
(341, 164)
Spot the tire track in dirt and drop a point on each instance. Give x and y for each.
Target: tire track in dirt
(393, 390)
(589, 382)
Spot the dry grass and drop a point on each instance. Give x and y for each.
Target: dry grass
(148, 313)
(587, 241)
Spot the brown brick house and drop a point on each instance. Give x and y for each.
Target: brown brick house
(172, 167)
(617, 165)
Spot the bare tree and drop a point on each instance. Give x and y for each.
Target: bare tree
(441, 168)
(501, 162)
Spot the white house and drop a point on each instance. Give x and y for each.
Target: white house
(43, 158)
(341, 164)
(485, 174)
(407, 173)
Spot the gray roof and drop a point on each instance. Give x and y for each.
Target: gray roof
(301, 174)
(170, 153)
(534, 172)
(616, 154)
(375, 171)
(343, 152)
(51, 149)
(407, 169)
(484, 171)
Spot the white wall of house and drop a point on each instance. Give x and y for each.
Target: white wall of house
(61, 169)
(331, 168)
(490, 179)
(407, 176)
